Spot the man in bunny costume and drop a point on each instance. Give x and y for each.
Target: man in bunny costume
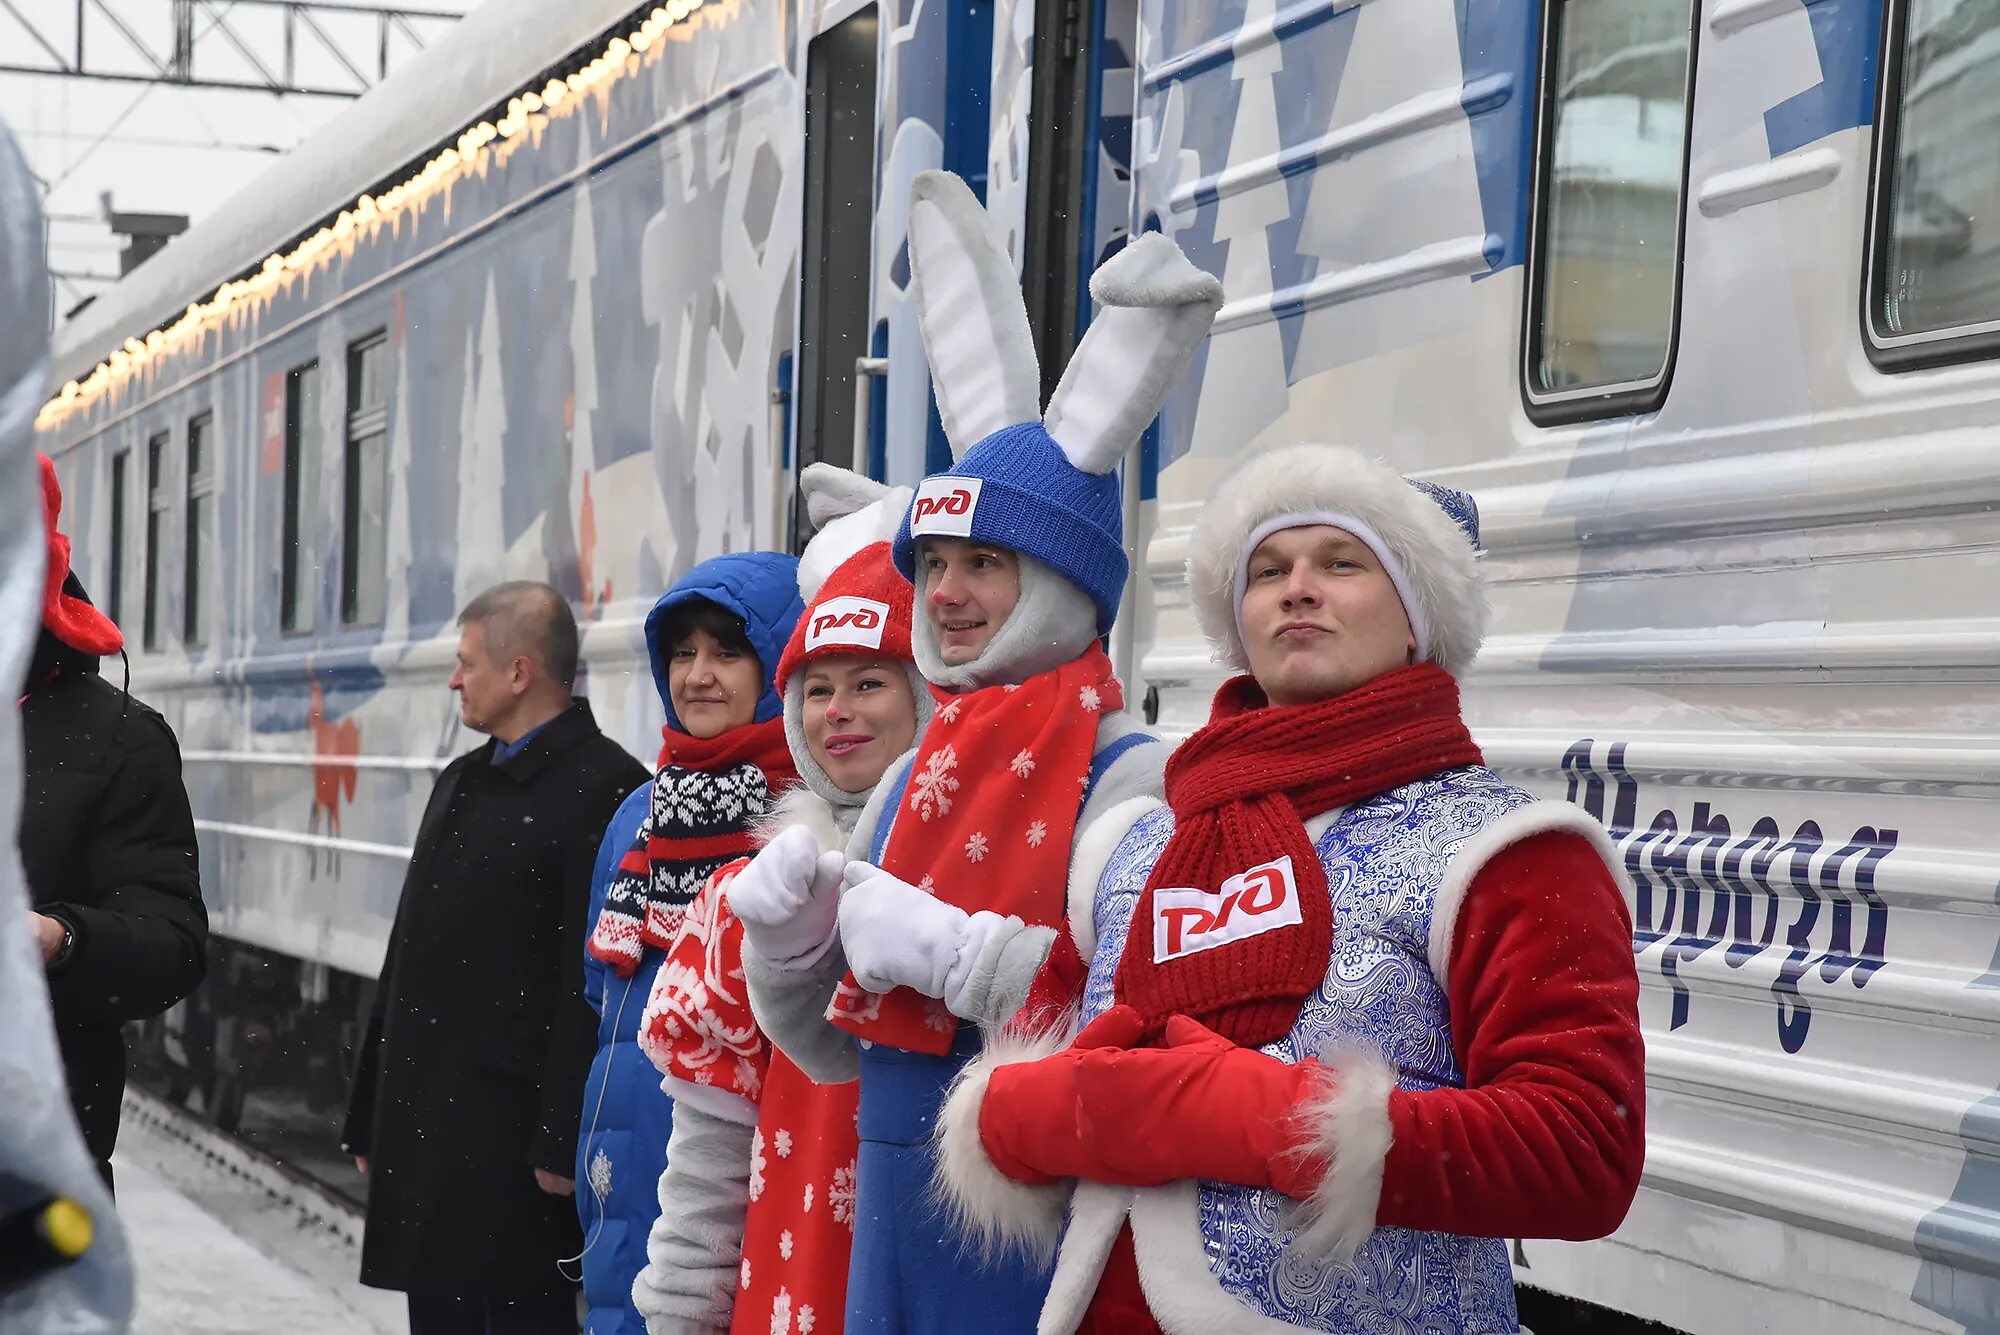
(1359, 1009)
(953, 920)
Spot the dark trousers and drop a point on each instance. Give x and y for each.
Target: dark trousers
(442, 1314)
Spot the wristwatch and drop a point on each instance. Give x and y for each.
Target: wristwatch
(62, 954)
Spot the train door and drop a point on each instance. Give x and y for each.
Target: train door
(933, 109)
(834, 266)
(1077, 213)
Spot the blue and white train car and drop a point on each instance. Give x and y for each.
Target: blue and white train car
(1700, 297)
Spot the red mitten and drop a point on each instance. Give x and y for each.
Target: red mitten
(1028, 1121)
(1201, 1107)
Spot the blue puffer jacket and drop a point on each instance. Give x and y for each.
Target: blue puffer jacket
(626, 1118)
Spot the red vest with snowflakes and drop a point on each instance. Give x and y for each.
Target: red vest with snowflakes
(986, 823)
(799, 1225)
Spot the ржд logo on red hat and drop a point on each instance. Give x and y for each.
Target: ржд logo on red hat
(848, 621)
(1187, 921)
(944, 507)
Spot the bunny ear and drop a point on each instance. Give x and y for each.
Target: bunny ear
(1154, 310)
(832, 491)
(970, 311)
(851, 511)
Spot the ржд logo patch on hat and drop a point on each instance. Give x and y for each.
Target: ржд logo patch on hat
(944, 507)
(849, 622)
(1187, 921)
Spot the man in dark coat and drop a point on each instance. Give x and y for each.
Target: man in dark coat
(465, 1106)
(108, 845)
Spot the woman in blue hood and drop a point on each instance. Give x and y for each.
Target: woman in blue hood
(715, 639)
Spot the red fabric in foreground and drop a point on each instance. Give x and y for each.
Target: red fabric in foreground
(1549, 1136)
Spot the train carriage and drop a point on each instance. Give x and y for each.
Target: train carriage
(1700, 298)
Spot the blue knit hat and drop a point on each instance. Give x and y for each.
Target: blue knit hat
(1042, 484)
(1020, 492)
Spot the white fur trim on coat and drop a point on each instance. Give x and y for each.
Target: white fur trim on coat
(1347, 1126)
(1518, 824)
(992, 1212)
(1097, 1211)
(1441, 568)
(1350, 1126)
(1088, 858)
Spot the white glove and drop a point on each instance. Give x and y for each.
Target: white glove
(896, 935)
(787, 899)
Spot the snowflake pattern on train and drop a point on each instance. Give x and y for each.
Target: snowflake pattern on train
(1385, 859)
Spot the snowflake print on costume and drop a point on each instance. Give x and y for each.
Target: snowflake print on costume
(757, 1166)
(785, 1245)
(975, 847)
(746, 1272)
(1089, 699)
(932, 787)
(809, 1197)
(600, 1175)
(806, 1319)
(1023, 763)
(782, 1142)
(1037, 832)
(842, 1195)
(781, 1313)
(947, 712)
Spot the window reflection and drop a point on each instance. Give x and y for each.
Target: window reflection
(1943, 220)
(1610, 217)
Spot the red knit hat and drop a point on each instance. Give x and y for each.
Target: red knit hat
(863, 607)
(72, 620)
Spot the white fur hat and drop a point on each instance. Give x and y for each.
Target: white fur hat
(1426, 536)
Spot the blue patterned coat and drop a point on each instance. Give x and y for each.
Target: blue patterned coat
(1222, 1255)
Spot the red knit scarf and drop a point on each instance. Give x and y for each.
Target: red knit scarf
(707, 795)
(986, 822)
(1235, 926)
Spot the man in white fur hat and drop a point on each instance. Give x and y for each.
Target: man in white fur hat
(1359, 1009)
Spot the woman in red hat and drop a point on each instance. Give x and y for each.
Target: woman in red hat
(756, 1203)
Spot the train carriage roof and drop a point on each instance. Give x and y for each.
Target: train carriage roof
(476, 64)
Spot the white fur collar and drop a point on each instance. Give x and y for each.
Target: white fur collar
(800, 805)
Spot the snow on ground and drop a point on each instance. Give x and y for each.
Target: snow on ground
(219, 1254)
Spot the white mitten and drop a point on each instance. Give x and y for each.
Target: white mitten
(787, 899)
(896, 935)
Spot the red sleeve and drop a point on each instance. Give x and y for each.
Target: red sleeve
(697, 1027)
(1547, 1140)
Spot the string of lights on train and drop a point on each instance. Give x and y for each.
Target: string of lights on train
(527, 110)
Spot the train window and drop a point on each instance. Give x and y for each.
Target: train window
(295, 560)
(1610, 195)
(156, 526)
(1933, 288)
(114, 600)
(363, 553)
(200, 522)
